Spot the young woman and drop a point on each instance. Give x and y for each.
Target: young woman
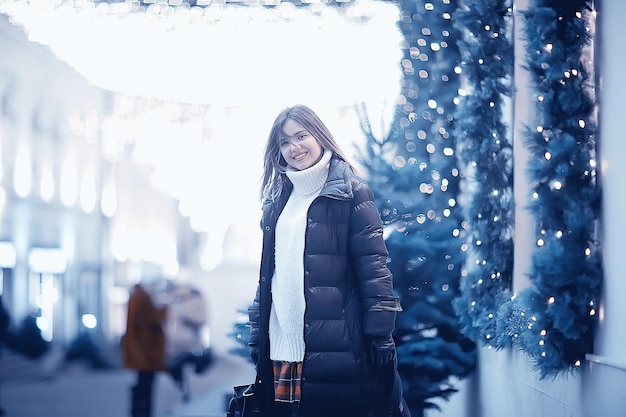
(324, 310)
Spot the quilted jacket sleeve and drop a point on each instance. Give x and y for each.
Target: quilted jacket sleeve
(369, 258)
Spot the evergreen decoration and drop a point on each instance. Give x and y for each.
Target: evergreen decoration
(559, 311)
(553, 320)
(241, 334)
(486, 154)
(413, 172)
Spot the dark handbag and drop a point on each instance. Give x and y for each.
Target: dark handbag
(243, 403)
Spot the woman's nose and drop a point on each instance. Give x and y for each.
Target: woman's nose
(294, 145)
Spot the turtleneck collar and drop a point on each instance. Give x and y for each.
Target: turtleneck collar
(312, 179)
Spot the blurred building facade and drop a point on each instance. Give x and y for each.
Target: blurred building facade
(67, 251)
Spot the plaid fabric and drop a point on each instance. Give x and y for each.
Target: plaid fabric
(287, 378)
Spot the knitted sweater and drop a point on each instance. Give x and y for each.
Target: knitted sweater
(287, 313)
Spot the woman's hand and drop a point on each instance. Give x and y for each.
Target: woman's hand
(383, 351)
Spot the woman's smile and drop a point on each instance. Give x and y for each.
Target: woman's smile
(298, 147)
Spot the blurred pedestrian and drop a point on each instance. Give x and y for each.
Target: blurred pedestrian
(28, 339)
(144, 346)
(324, 311)
(185, 345)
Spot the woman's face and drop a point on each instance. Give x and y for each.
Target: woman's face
(299, 148)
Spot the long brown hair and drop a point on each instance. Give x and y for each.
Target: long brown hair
(274, 165)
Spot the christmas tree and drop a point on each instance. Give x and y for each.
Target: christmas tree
(413, 172)
(240, 332)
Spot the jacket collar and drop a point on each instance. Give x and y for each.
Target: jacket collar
(339, 184)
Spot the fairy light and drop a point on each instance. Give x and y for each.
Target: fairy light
(554, 186)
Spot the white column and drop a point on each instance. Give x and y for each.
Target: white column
(611, 336)
(524, 233)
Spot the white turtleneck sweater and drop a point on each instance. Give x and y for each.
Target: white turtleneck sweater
(287, 314)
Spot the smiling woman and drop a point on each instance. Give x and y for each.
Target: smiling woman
(226, 54)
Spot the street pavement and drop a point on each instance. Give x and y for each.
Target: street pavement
(37, 389)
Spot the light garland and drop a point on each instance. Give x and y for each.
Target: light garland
(485, 151)
(553, 320)
(560, 309)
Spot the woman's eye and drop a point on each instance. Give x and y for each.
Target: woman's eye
(302, 136)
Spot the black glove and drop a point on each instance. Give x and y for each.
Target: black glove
(383, 351)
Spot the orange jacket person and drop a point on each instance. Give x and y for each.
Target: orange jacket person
(144, 347)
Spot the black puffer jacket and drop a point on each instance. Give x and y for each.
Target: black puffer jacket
(348, 293)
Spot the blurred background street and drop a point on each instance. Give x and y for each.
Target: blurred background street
(52, 387)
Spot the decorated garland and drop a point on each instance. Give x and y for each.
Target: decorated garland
(486, 154)
(553, 320)
(558, 313)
